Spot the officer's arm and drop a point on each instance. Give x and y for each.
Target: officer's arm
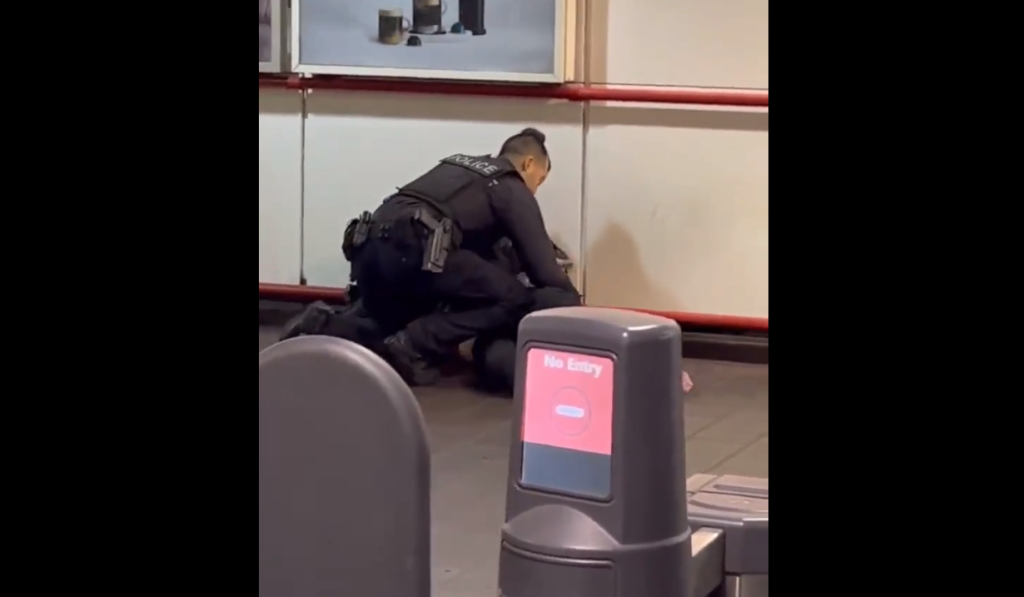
(518, 211)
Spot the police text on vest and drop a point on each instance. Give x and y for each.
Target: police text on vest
(474, 163)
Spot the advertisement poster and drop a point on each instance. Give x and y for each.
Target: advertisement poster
(482, 40)
(271, 45)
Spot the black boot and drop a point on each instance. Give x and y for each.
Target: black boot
(310, 322)
(412, 366)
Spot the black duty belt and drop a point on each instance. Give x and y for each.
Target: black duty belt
(442, 236)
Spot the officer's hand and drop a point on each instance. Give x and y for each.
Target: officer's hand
(564, 261)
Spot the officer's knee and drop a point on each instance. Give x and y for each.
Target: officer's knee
(555, 298)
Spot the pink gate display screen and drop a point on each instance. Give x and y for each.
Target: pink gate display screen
(567, 423)
(569, 401)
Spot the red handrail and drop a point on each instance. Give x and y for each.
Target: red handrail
(308, 294)
(572, 93)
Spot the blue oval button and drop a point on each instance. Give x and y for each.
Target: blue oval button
(570, 412)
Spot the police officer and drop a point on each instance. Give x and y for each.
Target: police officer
(426, 246)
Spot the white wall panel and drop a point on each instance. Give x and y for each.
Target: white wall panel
(682, 43)
(280, 186)
(678, 210)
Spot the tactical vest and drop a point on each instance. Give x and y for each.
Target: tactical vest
(454, 176)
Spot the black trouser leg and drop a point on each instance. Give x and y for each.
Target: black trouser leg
(355, 325)
(494, 355)
(313, 321)
(541, 300)
(554, 298)
(497, 300)
(388, 294)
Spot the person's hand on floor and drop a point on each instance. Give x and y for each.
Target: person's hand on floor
(687, 383)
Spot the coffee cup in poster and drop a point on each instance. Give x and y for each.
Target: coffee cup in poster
(392, 27)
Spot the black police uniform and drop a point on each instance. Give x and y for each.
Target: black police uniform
(495, 353)
(425, 247)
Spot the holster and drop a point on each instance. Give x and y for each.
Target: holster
(443, 238)
(356, 234)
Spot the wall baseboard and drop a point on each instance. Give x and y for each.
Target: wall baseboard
(697, 345)
(730, 348)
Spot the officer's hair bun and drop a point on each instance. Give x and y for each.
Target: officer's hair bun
(536, 135)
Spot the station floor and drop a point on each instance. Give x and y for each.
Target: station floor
(727, 427)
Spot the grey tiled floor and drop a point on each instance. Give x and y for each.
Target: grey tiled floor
(727, 428)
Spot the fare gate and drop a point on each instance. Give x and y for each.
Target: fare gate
(598, 505)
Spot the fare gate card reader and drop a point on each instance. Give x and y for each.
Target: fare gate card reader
(597, 498)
